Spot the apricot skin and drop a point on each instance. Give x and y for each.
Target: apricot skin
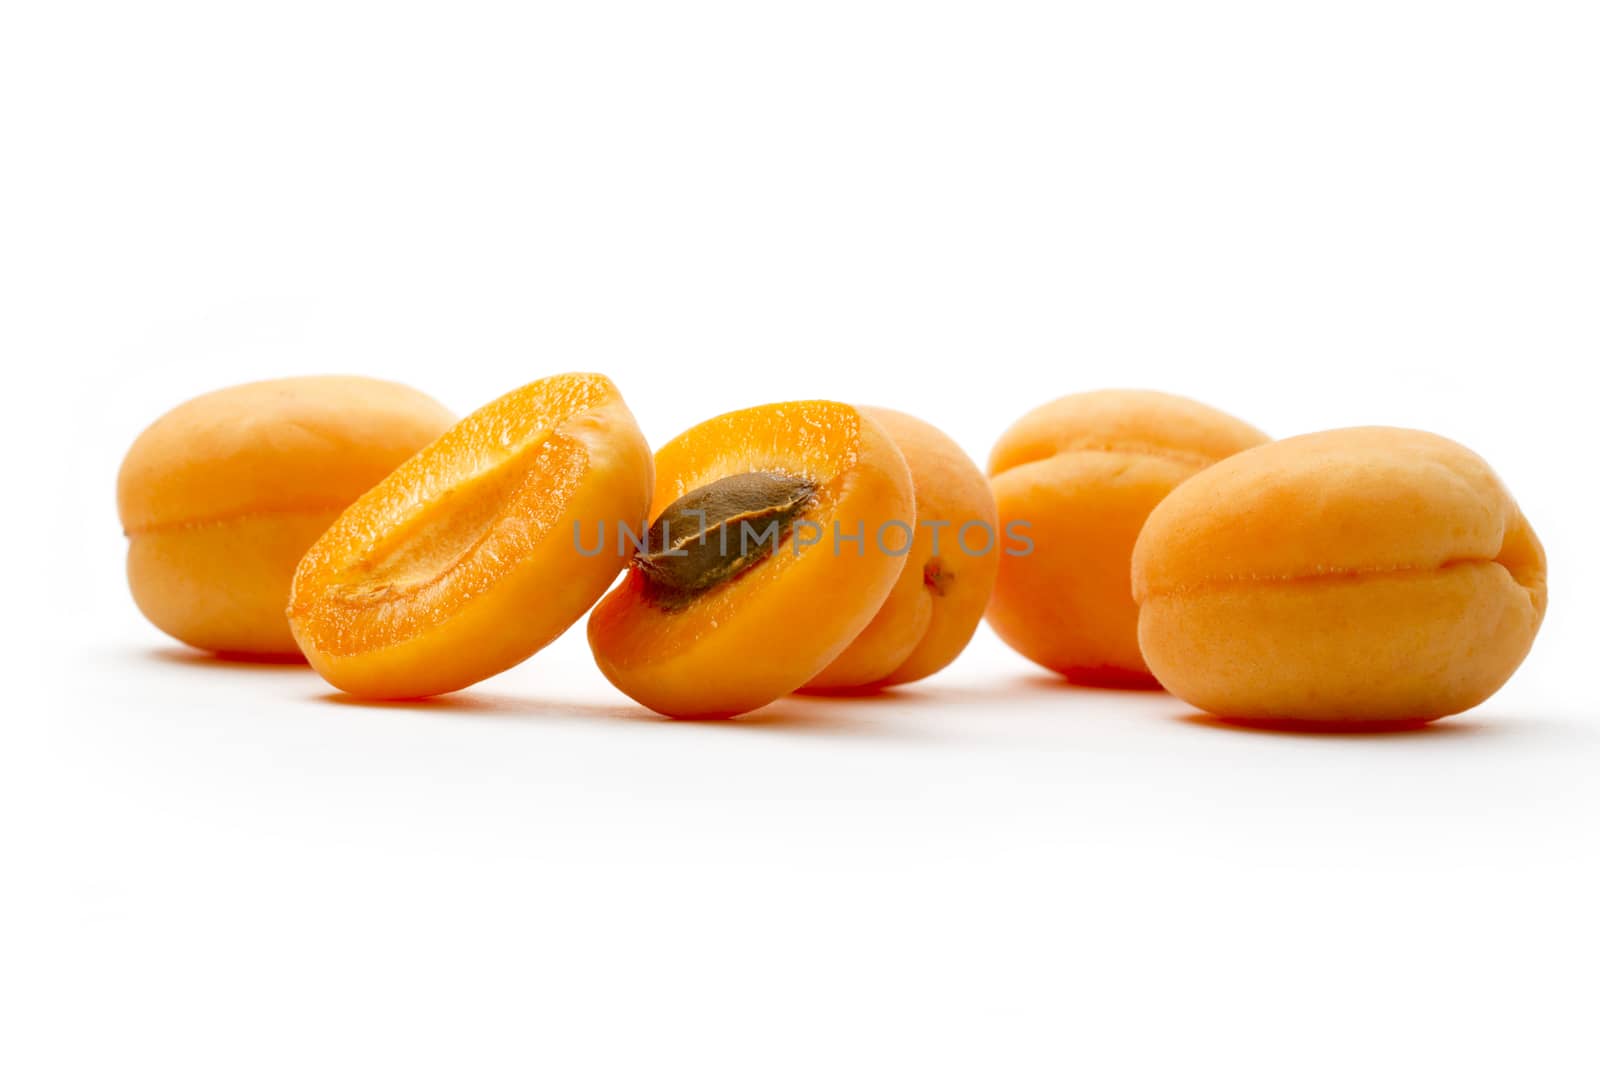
(1083, 472)
(1357, 578)
(939, 599)
(222, 495)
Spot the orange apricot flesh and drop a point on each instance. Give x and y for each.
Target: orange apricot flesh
(940, 596)
(466, 560)
(764, 631)
(1369, 577)
(222, 495)
(1083, 472)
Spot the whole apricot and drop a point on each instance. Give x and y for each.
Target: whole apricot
(1355, 577)
(953, 552)
(1077, 477)
(761, 562)
(222, 495)
(469, 557)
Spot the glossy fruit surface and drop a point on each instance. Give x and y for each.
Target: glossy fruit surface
(467, 559)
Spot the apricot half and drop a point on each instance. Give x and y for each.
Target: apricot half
(466, 560)
(1349, 578)
(222, 495)
(762, 560)
(941, 594)
(1079, 475)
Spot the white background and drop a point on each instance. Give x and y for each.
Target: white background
(1311, 215)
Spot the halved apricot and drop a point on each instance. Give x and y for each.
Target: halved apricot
(941, 594)
(466, 560)
(762, 561)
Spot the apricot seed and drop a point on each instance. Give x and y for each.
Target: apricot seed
(715, 532)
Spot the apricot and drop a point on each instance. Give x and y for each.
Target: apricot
(940, 596)
(221, 496)
(1077, 477)
(1354, 577)
(762, 560)
(466, 560)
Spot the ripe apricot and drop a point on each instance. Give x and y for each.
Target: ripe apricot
(761, 562)
(941, 593)
(1082, 473)
(222, 495)
(465, 560)
(1351, 577)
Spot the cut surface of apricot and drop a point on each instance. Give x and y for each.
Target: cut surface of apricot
(941, 594)
(467, 559)
(778, 510)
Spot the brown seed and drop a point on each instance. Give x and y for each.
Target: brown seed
(718, 531)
